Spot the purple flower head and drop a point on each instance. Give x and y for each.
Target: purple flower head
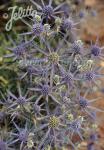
(92, 75)
(19, 51)
(23, 136)
(33, 71)
(96, 51)
(89, 76)
(93, 137)
(37, 107)
(47, 10)
(37, 29)
(67, 77)
(68, 24)
(81, 14)
(86, 104)
(53, 125)
(83, 102)
(21, 100)
(94, 13)
(75, 127)
(77, 47)
(45, 89)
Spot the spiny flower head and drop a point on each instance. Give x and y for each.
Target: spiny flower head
(53, 122)
(75, 125)
(37, 29)
(45, 89)
(21, 100)
(68, 24)
(83, 102)
(70, 117)
(81, 14)
(19, 50)
(95, 50)
(47, 10)
(77, 47)
(23, 136)
(89, 75)
(54, 57)
(68, 77)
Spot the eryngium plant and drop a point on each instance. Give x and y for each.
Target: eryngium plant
(59, 72)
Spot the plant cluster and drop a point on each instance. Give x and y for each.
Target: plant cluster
(53, 110)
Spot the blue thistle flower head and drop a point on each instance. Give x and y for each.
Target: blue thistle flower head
(89, 76)
(94, 13)
(23, 136)
(21, 100)
(47, 10)
(81, 14)
(95, 50)
(83, 102)
(93, 137)
(77, 47)
(68, 24)
(19, 51)
(37, 29)
(75, 125)
(45, 89)
(68, 78)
